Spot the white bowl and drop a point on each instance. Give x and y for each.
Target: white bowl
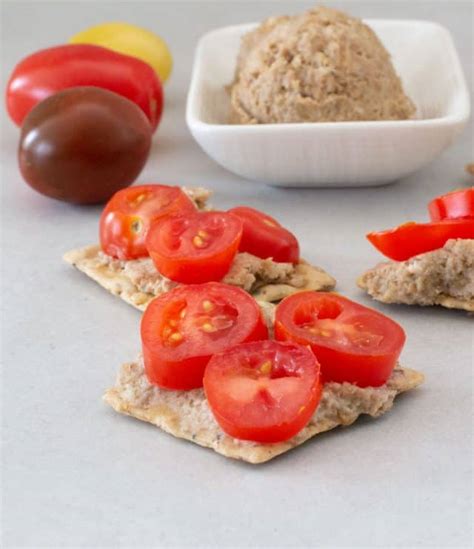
(334, 153)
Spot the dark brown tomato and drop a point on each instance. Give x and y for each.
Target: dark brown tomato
(83, 144)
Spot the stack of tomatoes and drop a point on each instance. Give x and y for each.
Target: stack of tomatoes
(206, 333)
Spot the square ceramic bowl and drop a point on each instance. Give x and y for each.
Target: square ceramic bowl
(333, 154)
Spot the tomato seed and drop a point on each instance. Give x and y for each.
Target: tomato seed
(198, 241)
(207, 305)
(266, 367)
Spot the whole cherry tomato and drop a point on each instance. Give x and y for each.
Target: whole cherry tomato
(128, 215)
(83, 144)
(131, 40)
(52, 70)
(351, 342)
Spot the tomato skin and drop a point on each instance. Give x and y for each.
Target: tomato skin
(236, 315)
(48, 71)
(170, 243)
(264, 237)
(83, 144)
(353, 343)
(260, 405)
(454, 205)
(412, 239)
(138, 206)
(130, 40)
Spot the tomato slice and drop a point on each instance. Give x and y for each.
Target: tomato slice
(127, 217)
(352, 343)
(454, 205)
(412, 239)
(264, 237)
(195, 248)
(181, 329)
(264, 391)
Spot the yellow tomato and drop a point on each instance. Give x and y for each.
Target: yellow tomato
(131, 40)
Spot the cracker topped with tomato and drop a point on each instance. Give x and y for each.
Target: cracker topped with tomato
(156, 237)
(433, 263)
(210, 373)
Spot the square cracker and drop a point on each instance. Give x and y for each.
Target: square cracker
(125, 278)
(186, 414)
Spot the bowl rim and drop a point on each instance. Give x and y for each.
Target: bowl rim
(460, 116)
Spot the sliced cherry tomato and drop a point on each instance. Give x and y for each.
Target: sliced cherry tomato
(264, 237)
(412, 239)
(182, 328)
(54, 69)
(455, 205)
(195, 248)
(264, 391)
(352, 343)
(128, 215)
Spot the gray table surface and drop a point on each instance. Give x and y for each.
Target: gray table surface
(75, 474)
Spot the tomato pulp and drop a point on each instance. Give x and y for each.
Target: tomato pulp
(128, 215)
(351, 342)
(195, 248)
(264, 391)
(181, 329)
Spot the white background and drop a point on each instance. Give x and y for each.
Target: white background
(75, 474)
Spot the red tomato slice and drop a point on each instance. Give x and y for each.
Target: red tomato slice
(126, 218)
(352, 343)
(181, 329)
(455, 205)
(195, 248)
(412, 239)
(263, 391)
(264, 237)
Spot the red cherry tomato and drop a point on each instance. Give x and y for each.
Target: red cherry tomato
(264, 391)
(455, 205)
(352, 343)
(54, 69)
(195, 248)
(412, 239)
(126, 218)
(181, 329)
(264, 237)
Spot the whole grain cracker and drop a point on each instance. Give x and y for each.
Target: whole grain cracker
(186, 414)
(117, 277)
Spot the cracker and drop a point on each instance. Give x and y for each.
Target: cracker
(186, 414)
(137, 282)
(439, 277)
